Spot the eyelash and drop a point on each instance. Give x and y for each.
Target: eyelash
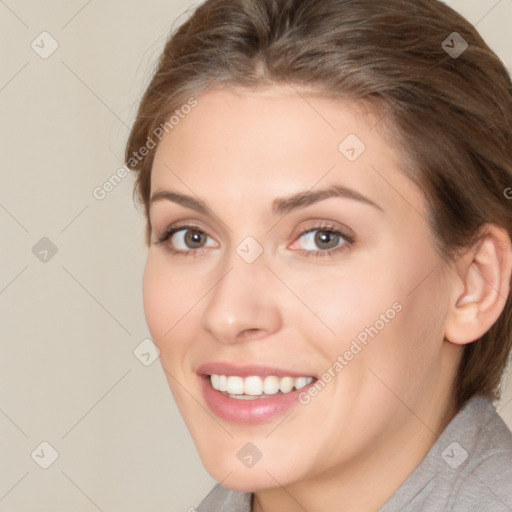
(348, 241)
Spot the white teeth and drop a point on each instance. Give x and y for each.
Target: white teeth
(223, 383)
(255, 386)
(286, 384)
(301, 382)
(271, 385)
(235, 385)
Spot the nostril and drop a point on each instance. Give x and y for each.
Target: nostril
(252, 333)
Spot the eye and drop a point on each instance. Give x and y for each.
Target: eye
(185, 240)
(323, 241)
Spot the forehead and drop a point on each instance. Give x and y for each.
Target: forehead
(277, 141)
(267, 122)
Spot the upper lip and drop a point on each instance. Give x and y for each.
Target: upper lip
(219, 368)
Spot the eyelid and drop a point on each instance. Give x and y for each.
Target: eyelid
(326, 225)
(182, 225)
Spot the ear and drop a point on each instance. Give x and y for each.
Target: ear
(481, 286)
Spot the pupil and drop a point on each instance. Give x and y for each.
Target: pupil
(326, 237)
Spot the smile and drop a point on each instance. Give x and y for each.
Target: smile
(253, 387)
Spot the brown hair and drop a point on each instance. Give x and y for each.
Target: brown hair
(451, 114)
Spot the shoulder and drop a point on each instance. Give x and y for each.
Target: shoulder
(468, 469)
(486, 477)
(488, 486)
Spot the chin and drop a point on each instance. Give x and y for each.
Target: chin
(256, 478)
(246, 481)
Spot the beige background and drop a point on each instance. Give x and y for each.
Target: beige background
(69, 325)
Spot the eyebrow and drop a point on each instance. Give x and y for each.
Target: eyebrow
(280, 206)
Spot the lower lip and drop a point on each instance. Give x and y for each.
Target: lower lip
(249, 412)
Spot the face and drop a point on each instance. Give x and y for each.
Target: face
(288, 251)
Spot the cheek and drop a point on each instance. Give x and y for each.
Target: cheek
(346, 303)
(166, 300)
(172, 306)
(403, 352)
(376, 308)
(155, 300)
(169, 317)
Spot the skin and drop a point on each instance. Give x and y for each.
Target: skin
(368, 429)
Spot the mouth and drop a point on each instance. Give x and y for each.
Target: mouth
(251, 395)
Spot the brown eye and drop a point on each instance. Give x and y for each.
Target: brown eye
(321, 240)
(194, 239)
(326, 239)
(186, 240)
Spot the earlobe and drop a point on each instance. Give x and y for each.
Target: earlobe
(484, 272)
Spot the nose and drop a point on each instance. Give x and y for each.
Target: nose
(243, 305)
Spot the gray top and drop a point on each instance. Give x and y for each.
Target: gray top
(468, 469)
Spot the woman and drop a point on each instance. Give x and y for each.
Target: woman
(329, 264)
